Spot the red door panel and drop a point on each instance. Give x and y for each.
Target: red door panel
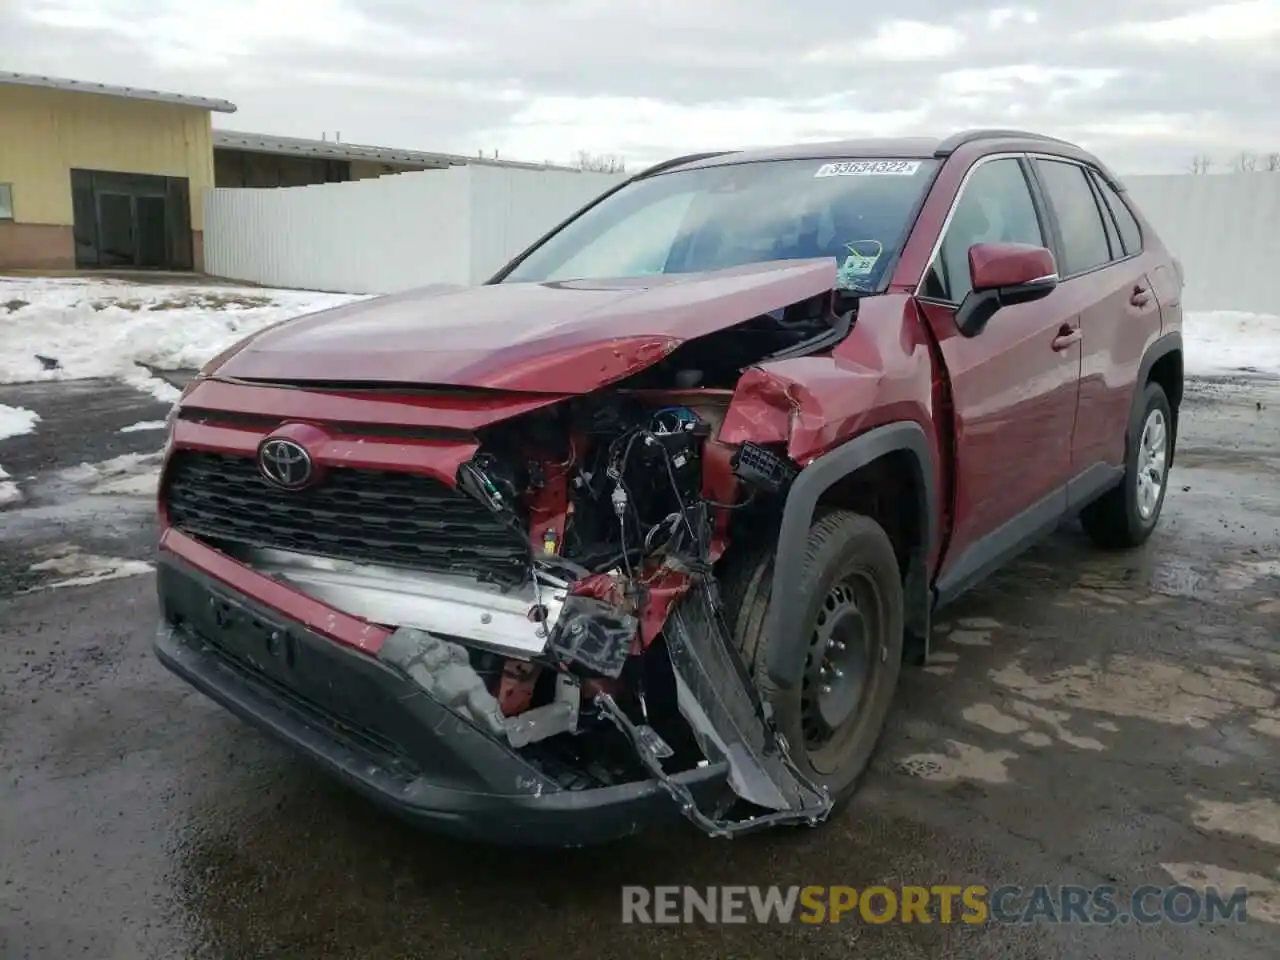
(1119, 316)
(1014, 389)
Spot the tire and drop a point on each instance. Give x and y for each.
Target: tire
(851, 591)
(1125, 516)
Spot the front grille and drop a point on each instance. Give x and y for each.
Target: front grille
(373, 516)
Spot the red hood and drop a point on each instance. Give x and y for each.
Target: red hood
(567, 337)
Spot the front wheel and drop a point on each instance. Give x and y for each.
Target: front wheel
(1126, 515)
(852, 632)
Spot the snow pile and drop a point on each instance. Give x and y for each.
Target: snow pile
(15, 421)
(9, 492)
(144, 425)
(54, 328)
(1227, 341)
(127, 474)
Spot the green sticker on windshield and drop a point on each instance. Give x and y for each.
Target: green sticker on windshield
(861, 260)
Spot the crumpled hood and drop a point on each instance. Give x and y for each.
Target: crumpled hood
(570, 337)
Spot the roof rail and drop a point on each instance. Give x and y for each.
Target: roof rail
(958, 140)
(666, 165)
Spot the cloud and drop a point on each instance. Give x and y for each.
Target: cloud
(1244, 25)
(1147, 82)
(906, 41)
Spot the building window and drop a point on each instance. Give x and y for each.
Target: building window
(6, 201)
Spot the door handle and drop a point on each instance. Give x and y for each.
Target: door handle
(1139, 297)
(1066, 337)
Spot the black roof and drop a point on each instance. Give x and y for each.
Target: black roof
(910, 148)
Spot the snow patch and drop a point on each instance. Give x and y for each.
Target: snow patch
(1228, 341)
(162, 390)
(130, 474)
(1263, 892)
(1258, 818)
(110, 328)
(124, 465)
(986, 715)
(140, 485)
(79, 569)
(144, 425)
(9, 492)
(962, 761)
(15, 421)
(1144, 688)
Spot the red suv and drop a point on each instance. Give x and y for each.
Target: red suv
(647, 524)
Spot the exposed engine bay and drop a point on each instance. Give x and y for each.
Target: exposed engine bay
(600, 649)
(628, 503)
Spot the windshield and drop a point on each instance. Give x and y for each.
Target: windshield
(686, 221)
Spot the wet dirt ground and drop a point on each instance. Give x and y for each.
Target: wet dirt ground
(1086, 719)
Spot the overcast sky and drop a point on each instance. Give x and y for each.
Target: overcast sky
(1146, 83)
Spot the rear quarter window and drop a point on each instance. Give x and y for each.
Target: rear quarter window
(1126, 223)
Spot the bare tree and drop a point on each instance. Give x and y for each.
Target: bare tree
(600, 162)
(1271, 162)
(1245, 162)
(1200, 163)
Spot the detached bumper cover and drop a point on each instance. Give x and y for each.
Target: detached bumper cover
(380, 732)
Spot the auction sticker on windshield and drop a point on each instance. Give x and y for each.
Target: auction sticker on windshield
(868, 168)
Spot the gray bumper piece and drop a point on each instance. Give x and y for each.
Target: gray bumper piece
(731, 723)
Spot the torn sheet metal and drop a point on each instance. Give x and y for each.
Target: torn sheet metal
(717, 697)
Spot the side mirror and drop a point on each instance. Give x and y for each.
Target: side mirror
(1003, 274)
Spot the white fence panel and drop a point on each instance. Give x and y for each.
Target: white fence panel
(365, 236)
(391, 233)
(460, 225)
(1225, 228)
(511, 208)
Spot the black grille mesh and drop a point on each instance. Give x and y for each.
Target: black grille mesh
(397, 519)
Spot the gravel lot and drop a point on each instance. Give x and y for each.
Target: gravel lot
(1088, 719)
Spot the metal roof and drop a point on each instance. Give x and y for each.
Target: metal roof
(107, 90)
(337, 150)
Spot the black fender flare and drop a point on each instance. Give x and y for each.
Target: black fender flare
(786, 660)
(1160, 347)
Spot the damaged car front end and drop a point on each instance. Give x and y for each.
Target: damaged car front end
(483, 584)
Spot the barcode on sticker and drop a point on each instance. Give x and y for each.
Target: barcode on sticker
(868, 168)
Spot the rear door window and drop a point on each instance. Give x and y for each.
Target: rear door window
(1084, 238)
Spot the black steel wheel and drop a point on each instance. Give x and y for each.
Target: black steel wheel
(833, 713)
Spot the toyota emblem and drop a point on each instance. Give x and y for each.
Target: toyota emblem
(285, 463)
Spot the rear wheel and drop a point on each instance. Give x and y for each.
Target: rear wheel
(833, 713)
(1127, 514)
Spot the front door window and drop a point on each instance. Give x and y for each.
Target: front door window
(995, 206)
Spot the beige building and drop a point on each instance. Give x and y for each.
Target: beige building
(99, 176)
(96, 176)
